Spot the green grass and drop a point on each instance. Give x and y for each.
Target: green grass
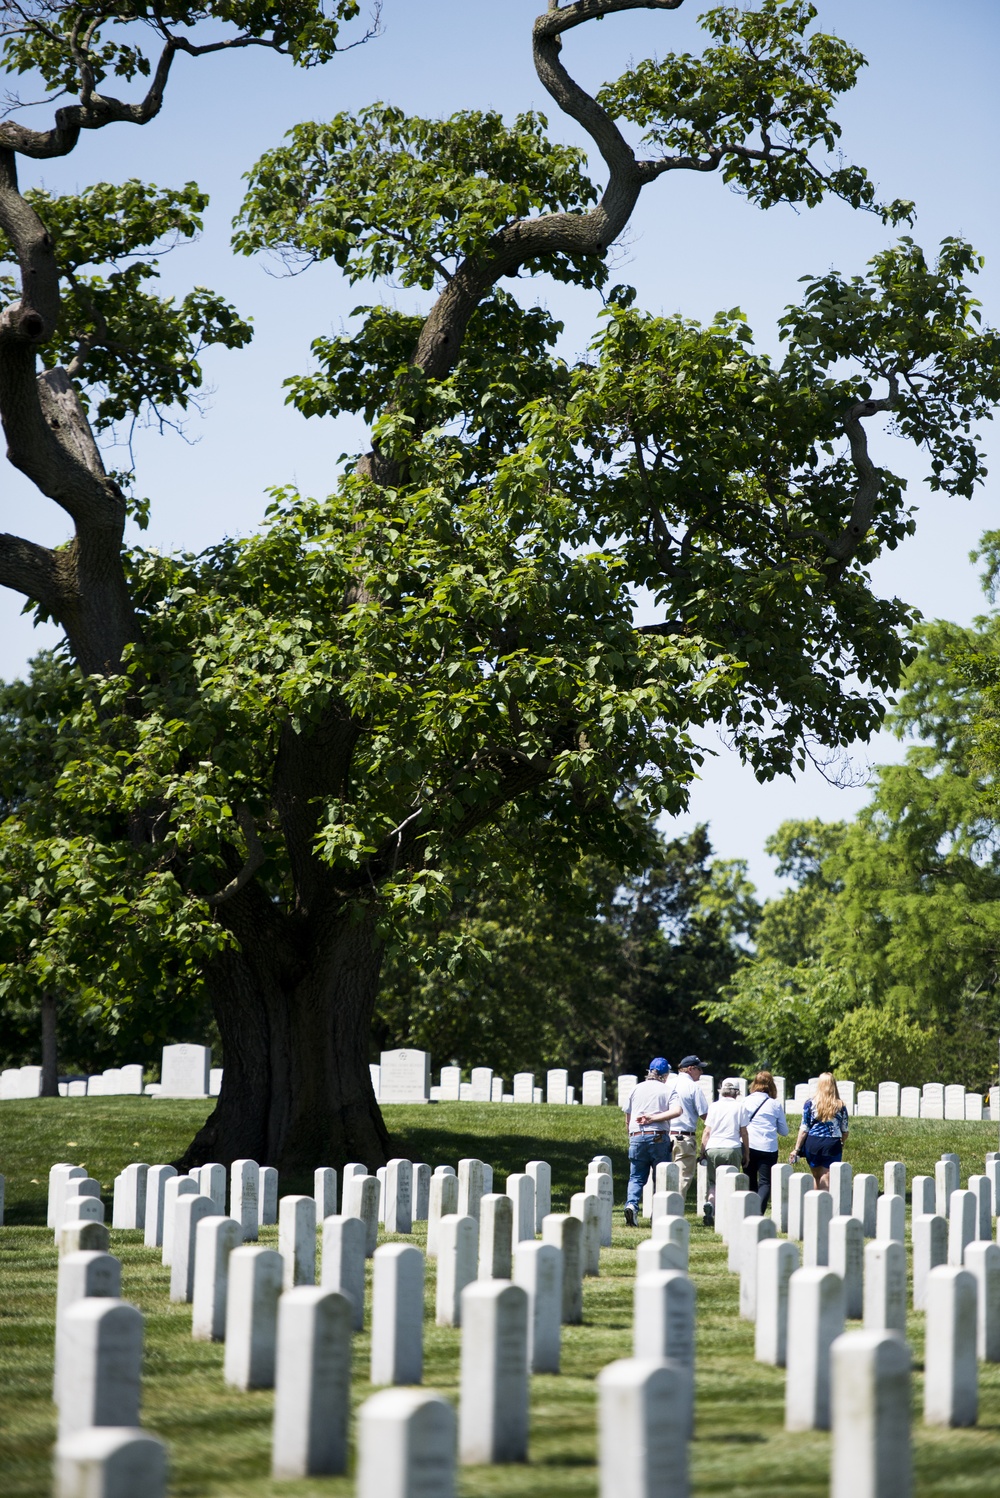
(219, 1439)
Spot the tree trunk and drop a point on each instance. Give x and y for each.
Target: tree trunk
(50, 1055)
(294, 1008)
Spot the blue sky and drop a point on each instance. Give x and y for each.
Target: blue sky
(923, 120)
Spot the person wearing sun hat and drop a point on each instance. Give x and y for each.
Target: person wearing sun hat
(649, 1107)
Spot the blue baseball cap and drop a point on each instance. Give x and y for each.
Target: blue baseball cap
(659, 1063)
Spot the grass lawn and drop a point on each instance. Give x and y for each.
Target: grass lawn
(219, 1438)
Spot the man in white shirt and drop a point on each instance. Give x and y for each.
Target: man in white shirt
(683, 1130)
(650, 1106)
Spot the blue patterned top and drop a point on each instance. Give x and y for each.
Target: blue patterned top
(824, 1128)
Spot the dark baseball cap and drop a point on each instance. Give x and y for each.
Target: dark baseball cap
(692, 1061)
(659, 1063)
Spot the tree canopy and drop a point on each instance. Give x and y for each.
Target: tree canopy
(276, 752)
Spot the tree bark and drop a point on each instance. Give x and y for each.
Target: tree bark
(50, 1054)
(294, 1008)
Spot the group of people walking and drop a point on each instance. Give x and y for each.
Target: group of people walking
(662, 1115)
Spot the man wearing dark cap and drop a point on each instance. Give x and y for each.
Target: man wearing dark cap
(648, 1112)
(683, 1129)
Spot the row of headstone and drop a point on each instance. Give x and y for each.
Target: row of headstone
(890, 1100)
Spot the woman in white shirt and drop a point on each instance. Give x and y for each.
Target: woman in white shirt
(765, 1121)
(724, 1140)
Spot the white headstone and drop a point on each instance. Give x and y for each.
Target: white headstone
(753, 1232)
(406, 1445)
(244, 1183)
(890, 1220)
(481, 1078)
(496, 1222)
(777, 1261)
(297, 1239)
(457, 1266)
(982, 1260)
(397, 1351)
(82, 1274)
(451, 1082)
(894, 1178)
(847, 1258)
(643, 1429)
(556, 1083)
(888, 1100)
(312, 1382)
(110, 1461)
(951, 1390)
(799, 1187)
(980, 1188)
(538, 1270)
(741, 1205)
(215, 1239)
(815, 1320)
(343, 1263)
(780, 1177)
(565, 1232)
(524, 1087)
(267, 1196)
(587, 1208)
(156, 1180)
(212, 1182)
(375, 1073)
(184, 1071)
(521, 1190)
(945, 1182)
(398, 1196)
(962, 1214)
(175, 1188)
(325, 1192)
(867, 1107)
(675, 1230)
(817, 1213)
(100, 1365)
(909, 1102)
(471, 1187)
(885, 1286)
(129, 1210)
(871, 1454)
(922, 1195)
(601, 1186)
(954, 1101)
(663, 1323)
(443, 1203)
(593, 1089)
(255, 1278)
(865, 1202)
(932, 1100)
(626, 1083)
(540, 1172)
(421, 1192)
(841, 1187)
(189, 1212)
(493, 1380)
(930, 1248)
(404, 1077)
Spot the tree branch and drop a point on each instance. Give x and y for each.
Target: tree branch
(33, 317)
(843, 548)
(31, 570)
(255, 858)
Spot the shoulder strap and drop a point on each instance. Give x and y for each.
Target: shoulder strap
(765, 1099)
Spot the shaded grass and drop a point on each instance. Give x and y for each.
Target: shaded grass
(220, 1438)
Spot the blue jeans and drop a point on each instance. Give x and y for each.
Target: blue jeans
(644, 1155)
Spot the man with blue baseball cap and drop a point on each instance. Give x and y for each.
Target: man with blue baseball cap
(649, 1107)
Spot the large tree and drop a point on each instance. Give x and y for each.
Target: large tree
(286, 744)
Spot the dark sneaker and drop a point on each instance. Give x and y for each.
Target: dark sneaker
(630, 1217)
(708, 1215)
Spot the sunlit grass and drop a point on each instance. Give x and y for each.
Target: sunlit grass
(220, 1439)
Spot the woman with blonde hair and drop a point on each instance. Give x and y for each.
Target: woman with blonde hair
(824, 1129)
(765, 1121)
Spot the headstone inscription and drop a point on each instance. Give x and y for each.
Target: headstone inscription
(184, 1071)
(405, 1077)
(244, 1184)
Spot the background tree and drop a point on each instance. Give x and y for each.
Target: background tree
(287, 745)
(882, 959)
(602, 969)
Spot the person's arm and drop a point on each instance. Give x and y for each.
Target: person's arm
(706, 1134)
(845, 1124)
(745, 1141)
(664, 1117)
(803, 1131)
(780, 1121)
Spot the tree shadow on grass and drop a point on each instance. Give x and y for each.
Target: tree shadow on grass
(507, 1153)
